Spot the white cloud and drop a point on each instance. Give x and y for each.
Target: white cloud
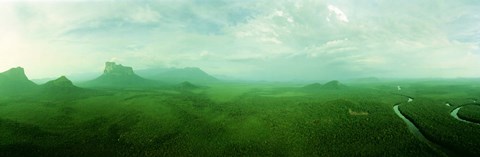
(289, 34)
(144, 15)
(338, 13)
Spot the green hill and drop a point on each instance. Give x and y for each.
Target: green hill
(14, 81)
(333, 85)
(312, 86)
(62, 88)
(119, 76)
(61, 84)
(187, 86)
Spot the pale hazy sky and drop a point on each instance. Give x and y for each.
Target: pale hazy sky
(264, 39)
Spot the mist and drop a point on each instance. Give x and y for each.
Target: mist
(250, 40)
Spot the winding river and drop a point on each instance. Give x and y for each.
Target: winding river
(454, 114)
(411, 127)
(419, 135)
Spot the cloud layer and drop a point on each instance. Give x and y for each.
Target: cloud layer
(282, 40)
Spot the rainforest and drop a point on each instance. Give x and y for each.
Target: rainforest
(239, 78)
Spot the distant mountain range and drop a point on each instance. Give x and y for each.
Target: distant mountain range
(15, 82)
(331, 85)
(165, 75)
(365, 80)
(177, 75)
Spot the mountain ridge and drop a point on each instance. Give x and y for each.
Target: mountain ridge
(61, 82)
(119, 76)
(14, 81)
(178, 75)
(331, 85)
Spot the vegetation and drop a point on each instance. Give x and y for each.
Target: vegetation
(157, 123)
(234, 119)
(470, 113)
(434, 121)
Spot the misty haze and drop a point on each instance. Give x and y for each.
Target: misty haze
(239, 78)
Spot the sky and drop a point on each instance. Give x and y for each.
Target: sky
(246, 39)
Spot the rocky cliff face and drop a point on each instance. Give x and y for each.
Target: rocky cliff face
(119, 76)
(113, 69)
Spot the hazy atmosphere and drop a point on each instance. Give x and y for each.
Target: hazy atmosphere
(240, 78)
(252, 40)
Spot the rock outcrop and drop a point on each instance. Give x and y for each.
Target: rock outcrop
(111, 68)
(119, 76)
